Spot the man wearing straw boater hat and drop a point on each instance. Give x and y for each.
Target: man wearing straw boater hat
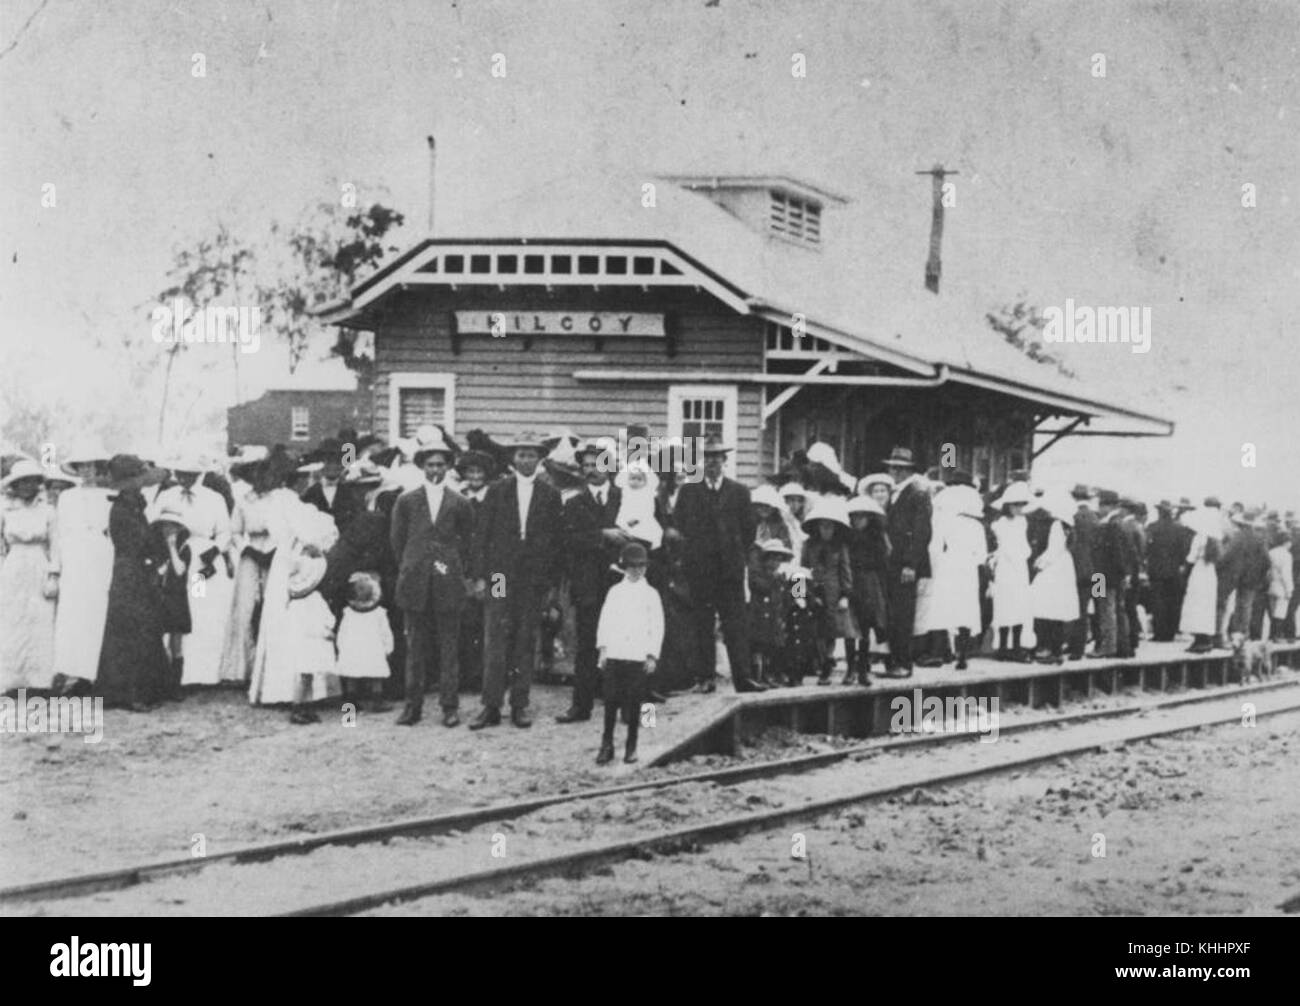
(909, 558)
(515, 571)
(715, 518)
(432, 533)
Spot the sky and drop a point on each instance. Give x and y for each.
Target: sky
(1122, 189)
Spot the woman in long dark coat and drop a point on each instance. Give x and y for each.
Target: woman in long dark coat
(133, 664)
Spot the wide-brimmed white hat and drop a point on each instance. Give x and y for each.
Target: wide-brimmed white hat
(24, 468)
(831, 508)
(306, 574)
(864, 504)
(793, 489)
(1017, 492)
(824, 454)
(183, 461)
(877, 478)
(775, 546)
(766, 495)
(84, 452)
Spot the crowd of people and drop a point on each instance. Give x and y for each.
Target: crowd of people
(367, 571)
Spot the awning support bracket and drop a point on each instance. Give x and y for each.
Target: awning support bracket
(774, 406)
(1059, 434)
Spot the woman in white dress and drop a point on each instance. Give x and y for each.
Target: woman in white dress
(210, 578)
(260, 524)
(958, 549)
(1054, 592)
(1200, 603)
(29, 580)
(282, 636)
(82, 517)
(1012, 605)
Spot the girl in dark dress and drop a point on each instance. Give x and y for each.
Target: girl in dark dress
(133, 662)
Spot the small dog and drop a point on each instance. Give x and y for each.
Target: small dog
(1251, 658)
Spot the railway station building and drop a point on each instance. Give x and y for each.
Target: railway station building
(696, 305)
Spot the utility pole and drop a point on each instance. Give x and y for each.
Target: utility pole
(932, 265)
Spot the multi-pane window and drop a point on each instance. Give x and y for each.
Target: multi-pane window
(698, 411)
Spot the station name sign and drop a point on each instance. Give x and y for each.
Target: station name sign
(600, 323)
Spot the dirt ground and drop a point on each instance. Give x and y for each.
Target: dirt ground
(212, 766)
(1202, 823)
(1196, 823)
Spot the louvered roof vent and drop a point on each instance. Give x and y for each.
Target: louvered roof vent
(777, 205)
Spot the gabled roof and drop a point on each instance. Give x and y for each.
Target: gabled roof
(857, 294)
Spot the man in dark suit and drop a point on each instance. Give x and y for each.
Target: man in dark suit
(515, 568)
(593, 544)
(1083, 542)
(476, 470)
(1134, 524)
(432, 532)
(331, 494)
(714, 518)
(909, 557)
(1166, 552)
(1116, 560)
(1252, 572)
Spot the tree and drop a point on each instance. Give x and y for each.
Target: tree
(1021, 324)
(329, 250)
(205, 275)
(289, 274)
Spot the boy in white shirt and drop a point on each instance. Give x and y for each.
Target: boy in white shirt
(628, 637)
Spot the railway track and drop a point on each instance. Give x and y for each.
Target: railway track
(1038, 737)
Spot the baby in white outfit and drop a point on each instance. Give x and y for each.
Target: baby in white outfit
(636, 512)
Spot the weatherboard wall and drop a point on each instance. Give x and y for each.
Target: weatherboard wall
(515, 383)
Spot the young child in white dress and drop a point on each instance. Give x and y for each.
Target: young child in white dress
(310, 635)
(365, 638)
(636, 513)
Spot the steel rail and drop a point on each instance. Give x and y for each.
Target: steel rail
(130, 876)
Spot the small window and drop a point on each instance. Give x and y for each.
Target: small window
(418, 398)
(643, 265)
(299, 423)
(507, 264)
(535, 264)
(454, 263)
(562, 264)
(480, 263)
(588, 265)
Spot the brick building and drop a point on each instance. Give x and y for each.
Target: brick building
(296, 417)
